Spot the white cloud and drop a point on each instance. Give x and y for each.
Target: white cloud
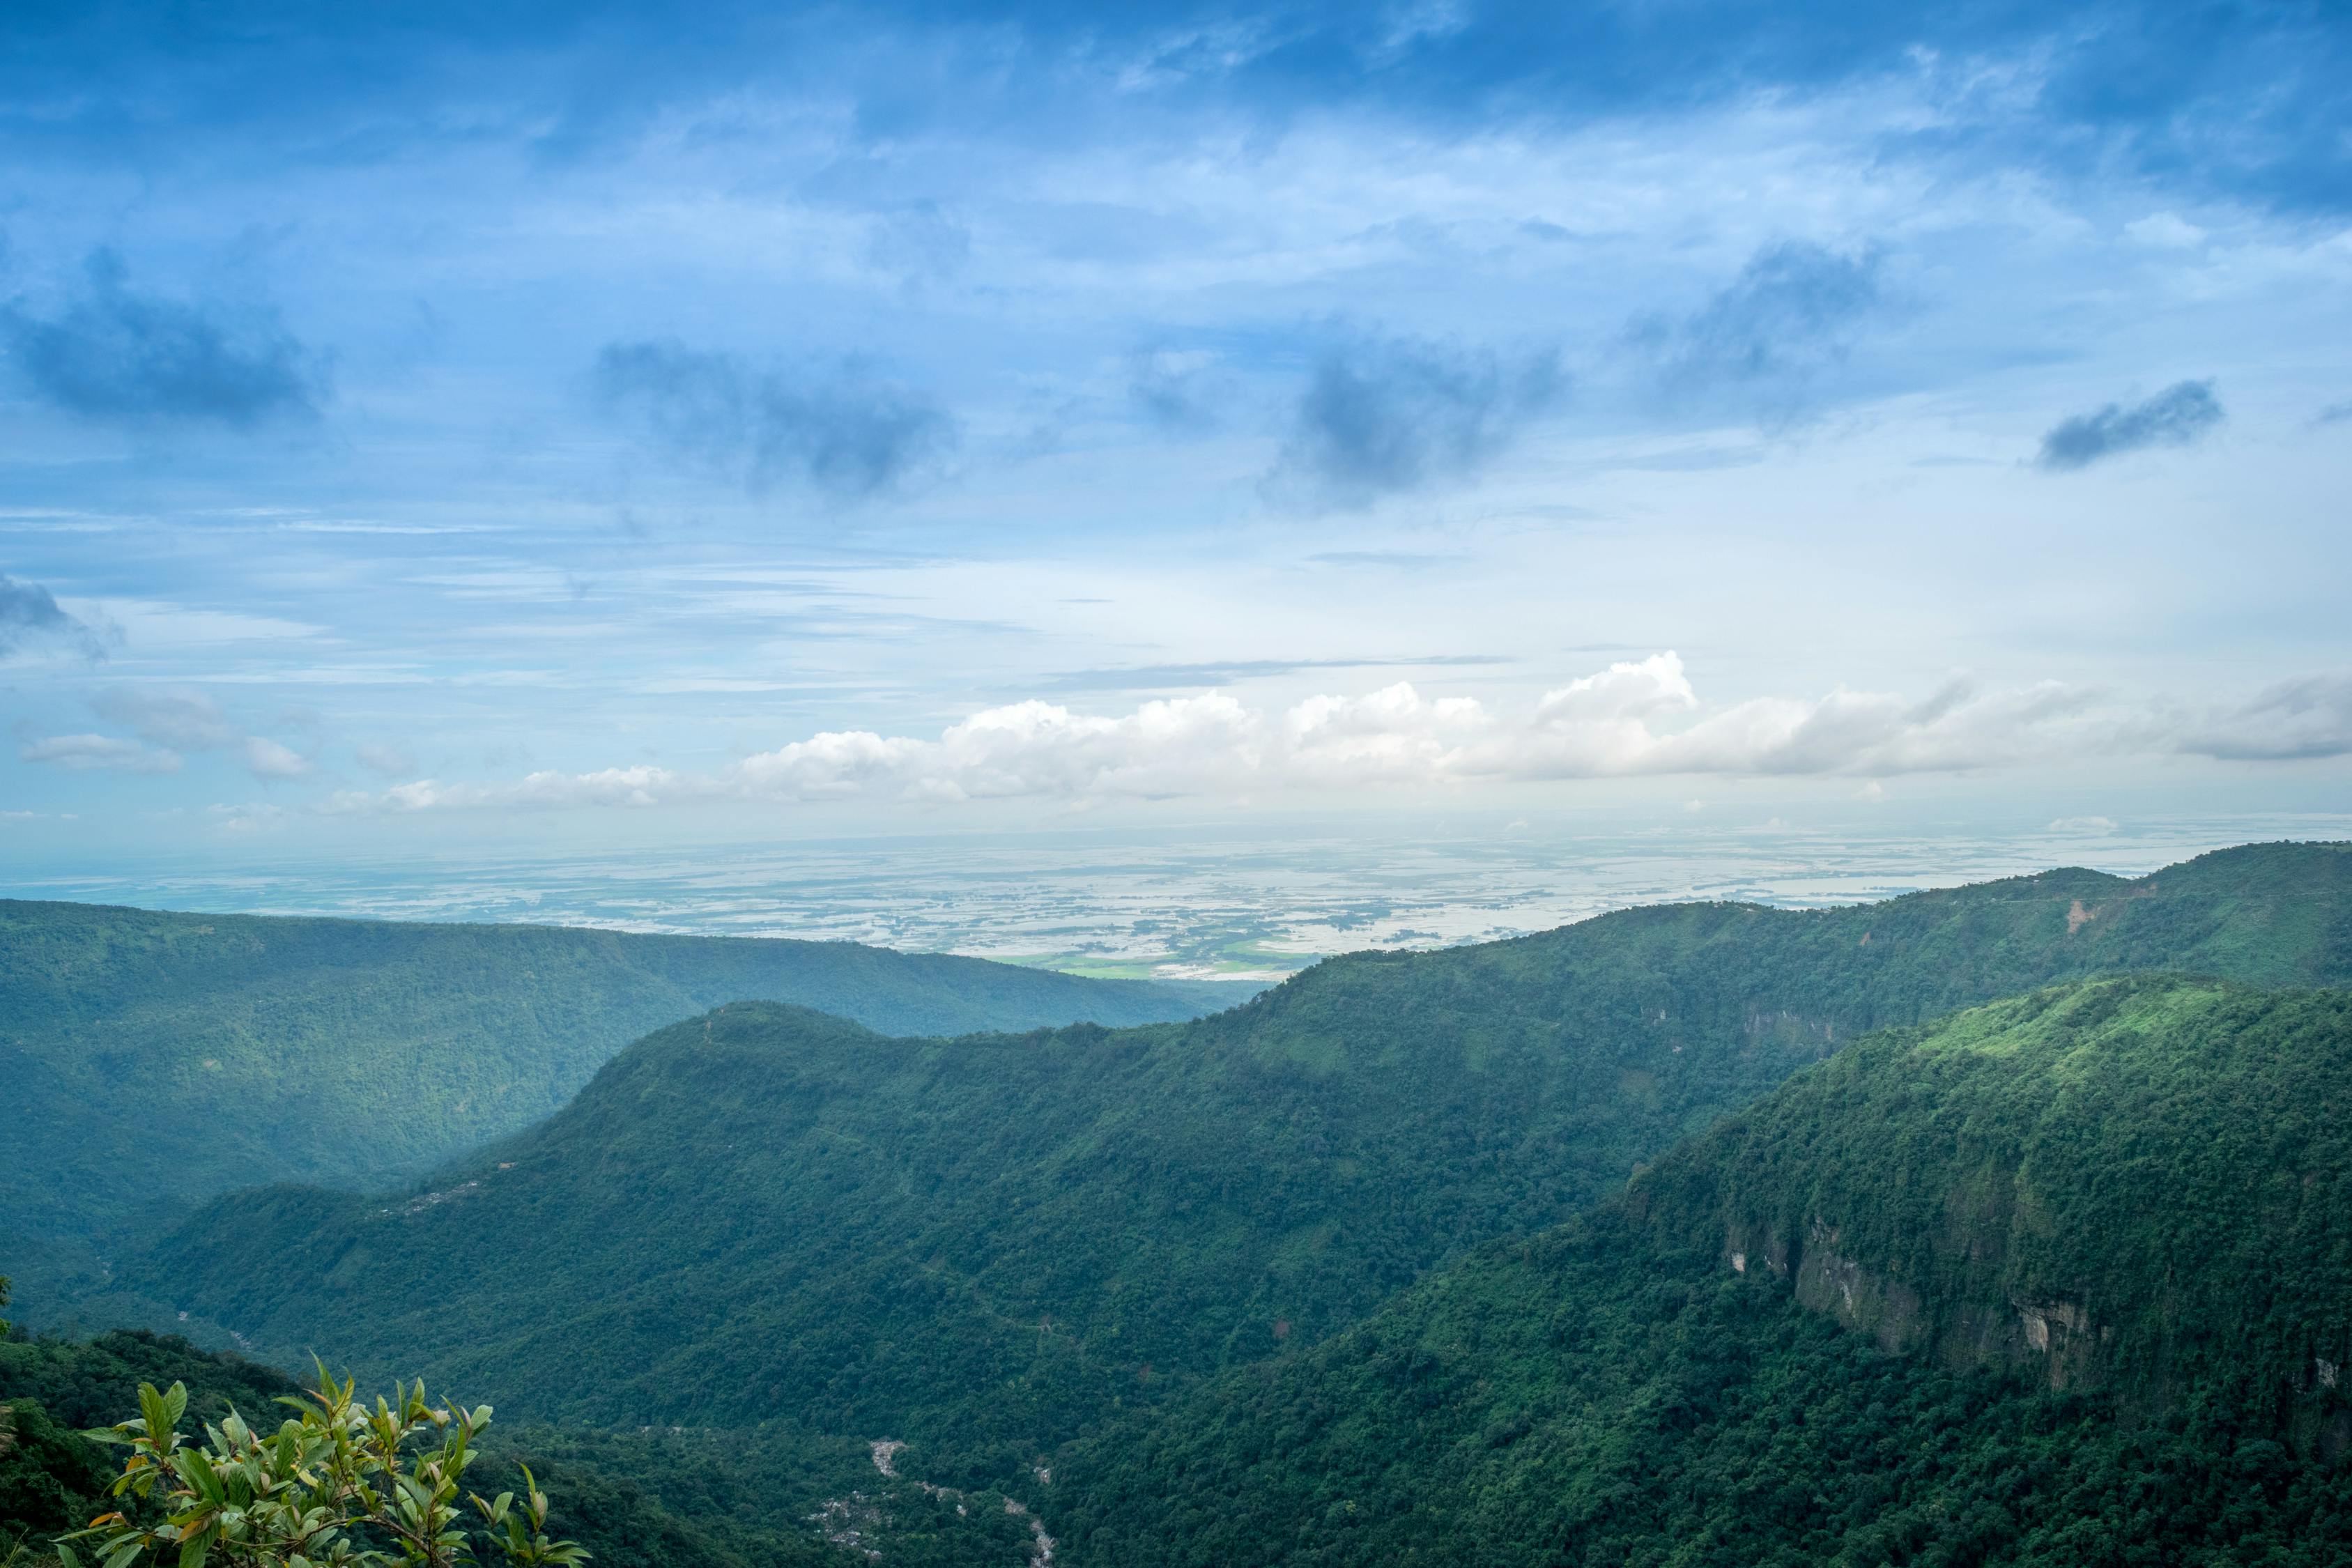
(172, 720)
(85, 751)
(268, 760)
(2084, 826)
(1634, 719)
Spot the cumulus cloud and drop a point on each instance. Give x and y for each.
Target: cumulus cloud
(267, 758)
(1383, 416)
(29, 617)
(2182, 414)
(845, 434)
(90, 750)
(108, 352)
(167, 722)
(1636, 718)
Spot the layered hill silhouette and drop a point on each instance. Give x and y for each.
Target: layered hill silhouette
(154, 1059)
(2062, 1280)
(990, 1245)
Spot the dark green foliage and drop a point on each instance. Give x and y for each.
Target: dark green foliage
(51, 1477)
(1613, 1392)
(361, 1050)
(2172, 1159)
(750, 1498)
(95, 1383)
(985, 1244)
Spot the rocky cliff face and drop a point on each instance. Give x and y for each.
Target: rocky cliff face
(2137, 1186)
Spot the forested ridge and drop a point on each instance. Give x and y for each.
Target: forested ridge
(982, 1245)
(153, 1059)
(1695, 1234)
(2062, 1280)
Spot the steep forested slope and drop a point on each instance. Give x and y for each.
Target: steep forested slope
(154, 1059)
(2064, 1280)
(985, 1244)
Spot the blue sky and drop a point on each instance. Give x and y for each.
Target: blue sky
(527, 419)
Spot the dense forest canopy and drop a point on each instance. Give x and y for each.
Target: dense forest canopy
(985, 1244)
(1697, 1234)
(2058, 1281)
(155, 1059)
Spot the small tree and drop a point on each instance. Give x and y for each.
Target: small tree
(339, 1484)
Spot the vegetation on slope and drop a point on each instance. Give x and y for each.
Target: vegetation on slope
(983, 1246)
(2158, 1172)
(758, 1498)
(155, 1059)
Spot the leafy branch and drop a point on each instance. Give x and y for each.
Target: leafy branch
(340, 1483)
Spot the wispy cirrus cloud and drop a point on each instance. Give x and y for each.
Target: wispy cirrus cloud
(1635, 718)
(108, 352)
(86, 751)
(843, 432)
(2180, 416)
(1769, 336)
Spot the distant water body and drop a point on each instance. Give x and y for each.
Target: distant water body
(1215, 901)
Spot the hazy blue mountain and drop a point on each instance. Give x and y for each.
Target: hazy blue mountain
(154, 1059)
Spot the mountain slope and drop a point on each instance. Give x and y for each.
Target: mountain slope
(2104, 1228)
(154, 1059)
(983, 1245)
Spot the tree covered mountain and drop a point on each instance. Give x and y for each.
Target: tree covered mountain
(154, 1059)
(2064, 1280)
(989, 1246)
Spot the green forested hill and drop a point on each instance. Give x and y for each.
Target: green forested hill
(984, 1245)
(153, 1060)
(2065, 1280)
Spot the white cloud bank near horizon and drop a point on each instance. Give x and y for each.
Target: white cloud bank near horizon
(1634, 719)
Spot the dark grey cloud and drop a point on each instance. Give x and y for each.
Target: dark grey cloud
(1792, 314)
(106, 352)
(844, 433)
(1383, 416)
(2183, 413)
(30, 615)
